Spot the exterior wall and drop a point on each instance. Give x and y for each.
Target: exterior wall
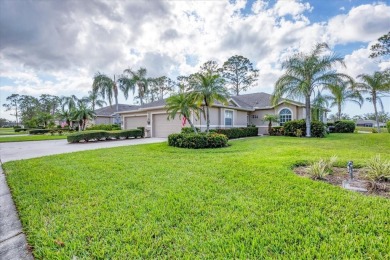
(103, 120)
(240, 118)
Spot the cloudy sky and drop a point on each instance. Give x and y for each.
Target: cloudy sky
(56, 46)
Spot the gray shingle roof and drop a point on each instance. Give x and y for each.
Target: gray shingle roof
(110, 110)
(261, 100)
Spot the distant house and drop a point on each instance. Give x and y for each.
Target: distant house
(369, 123)
(106, 115)
(241, 111)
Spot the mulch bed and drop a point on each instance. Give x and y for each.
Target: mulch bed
(341, 175)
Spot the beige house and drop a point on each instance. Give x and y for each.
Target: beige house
(241, 111)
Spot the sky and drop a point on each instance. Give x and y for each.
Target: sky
(56, 47)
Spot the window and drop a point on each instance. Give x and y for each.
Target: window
(284, 116)
(228, 118)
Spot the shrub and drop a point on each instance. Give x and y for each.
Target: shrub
(17, 126)
(374, 130)
(232, 133)
(277, 131)
(39, 131)
(378, 169)
(344, 126)
(106, 127)
(318, 129)
(388, 126)
(318, 170)
(17, 130)
(196, 141)
(97, 135)
(142, 131)
(189, 130)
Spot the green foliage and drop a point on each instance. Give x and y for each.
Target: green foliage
(378, 169)
(382, 48)
(142, 131)
(97, 135)
(17, 130)
(321, 168)
(344, 126)
(38, 131)
(238, 132)
(388, 126)
(189, 130)
(374, 130)
(197, 141)
(318, 129)
(277, 131)
(106, 127)
(241, 202)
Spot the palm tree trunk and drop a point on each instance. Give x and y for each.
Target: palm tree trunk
(339, 111)
(376, 112)
(208, 119)
(117, 120)
(192, 125)
(269, 127)
(308, 113)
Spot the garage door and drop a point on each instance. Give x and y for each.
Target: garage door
(162, 127)
(135, 121)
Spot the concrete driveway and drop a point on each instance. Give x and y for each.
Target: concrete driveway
(25, 150)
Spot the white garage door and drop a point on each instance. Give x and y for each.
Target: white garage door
(135, 121)
(162, 127)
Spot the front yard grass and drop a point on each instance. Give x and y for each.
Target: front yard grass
(243, 201)
(31, 138)
(10, 131)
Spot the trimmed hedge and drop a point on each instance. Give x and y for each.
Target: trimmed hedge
(277, 131)
(105, 127)
(142, 130)
(20, 129)
(232, 133)
(298, 128)
(39, 131)
(189, 130)
(344, 126)
(197, 141)
(388, 126)
(98, 135)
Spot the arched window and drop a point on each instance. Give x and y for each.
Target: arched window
(285, 115)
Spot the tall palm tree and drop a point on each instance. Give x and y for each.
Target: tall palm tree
(94, 99)
(377, 86)
(208, 87)
(132, 80)
(306, 72)
(342, 93)
(185, 105)
(107, 87)
(68, 103)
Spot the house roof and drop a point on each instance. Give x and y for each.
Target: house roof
(111, 110)
(241, 102)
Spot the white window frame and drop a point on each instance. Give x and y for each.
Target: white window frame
(280, 110)
(224, 117)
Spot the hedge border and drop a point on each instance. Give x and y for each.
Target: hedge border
(198, 141)
(96, 135)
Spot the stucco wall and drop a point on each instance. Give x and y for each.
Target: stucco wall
(103, 120)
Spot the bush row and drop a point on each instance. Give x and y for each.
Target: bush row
(344, 126)
(232, 133)
(19, 129)
(97, 135)
(105, 127)
(39, 131)
(196, 141)
(298, 128)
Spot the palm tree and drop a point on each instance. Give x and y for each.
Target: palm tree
(66, 116)
(82, 114)
(106, 87)
(137, 80)
(376, 85)
(208, 87)
(342, 93)
(94, 99)
(68, 102)
(270, 118)
(185, 105)
(306, 72)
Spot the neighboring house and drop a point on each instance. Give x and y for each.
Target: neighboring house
(241, 111)
(106, 115)
(369, 123)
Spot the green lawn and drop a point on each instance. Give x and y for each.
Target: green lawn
(10, 131)
(30, 138)
(244, 201)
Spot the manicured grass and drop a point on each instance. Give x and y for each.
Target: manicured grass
(369, 129)
(10, 131)
(243, 201)
(31, 138)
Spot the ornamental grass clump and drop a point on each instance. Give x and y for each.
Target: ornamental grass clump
(378, 169)
(322, 168)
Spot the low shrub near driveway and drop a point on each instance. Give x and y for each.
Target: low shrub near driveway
(197, 141)
(103, 135)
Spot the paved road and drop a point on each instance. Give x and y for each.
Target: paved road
(25, 150)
